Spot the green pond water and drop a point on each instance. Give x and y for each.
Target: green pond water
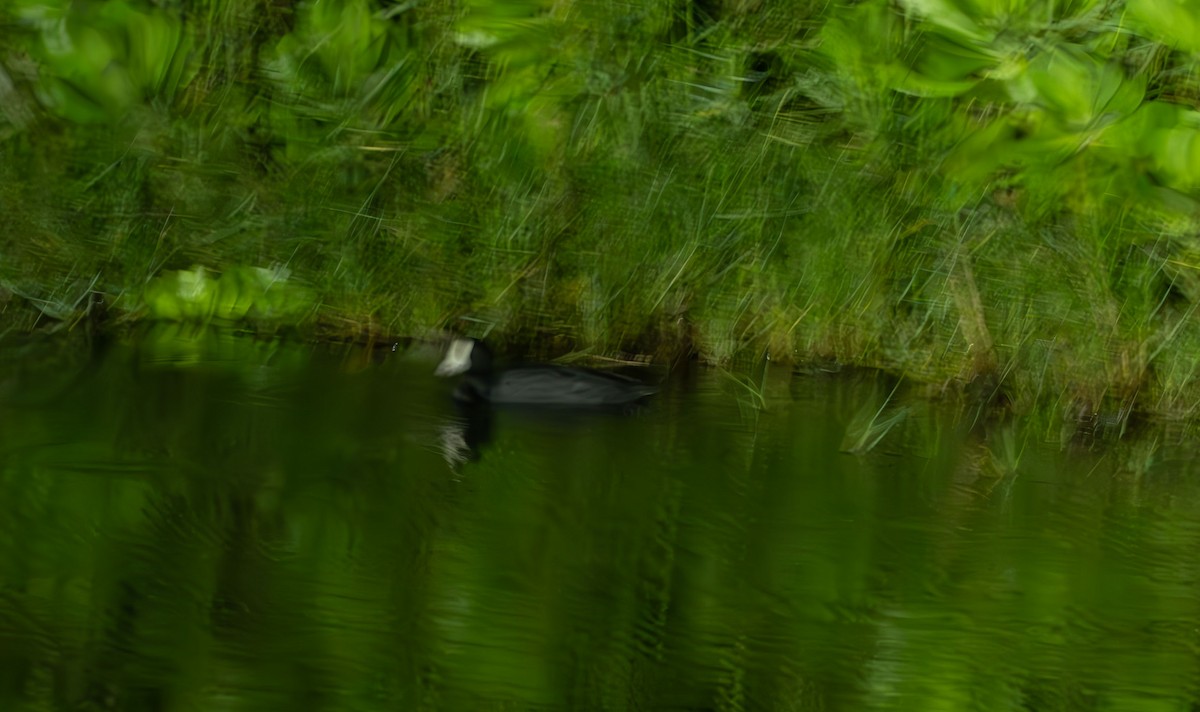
(196, 520)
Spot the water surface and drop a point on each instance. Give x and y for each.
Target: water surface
(202, 520)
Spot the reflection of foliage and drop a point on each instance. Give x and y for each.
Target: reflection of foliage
(210, 521)
(947, 188)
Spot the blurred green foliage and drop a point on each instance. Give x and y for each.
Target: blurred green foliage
(238, 294)
(97, 60)
(1000, 191)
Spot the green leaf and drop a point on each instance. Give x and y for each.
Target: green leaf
(1076, 88)
(1175, 23)
(950, 18)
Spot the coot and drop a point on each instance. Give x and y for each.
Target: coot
(541, 384)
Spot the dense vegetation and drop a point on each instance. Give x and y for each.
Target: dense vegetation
(948, 189)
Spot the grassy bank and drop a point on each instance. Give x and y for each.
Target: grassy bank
(999, 193)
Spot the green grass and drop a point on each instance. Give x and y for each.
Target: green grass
(997, 193)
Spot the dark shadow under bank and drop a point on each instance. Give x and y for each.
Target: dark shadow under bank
(983, 403)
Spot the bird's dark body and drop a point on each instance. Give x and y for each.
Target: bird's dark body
(551, 385)
(535, 385)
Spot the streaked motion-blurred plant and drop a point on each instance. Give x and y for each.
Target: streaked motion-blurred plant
(948, 189)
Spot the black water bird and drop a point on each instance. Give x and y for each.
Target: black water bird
(534, 385)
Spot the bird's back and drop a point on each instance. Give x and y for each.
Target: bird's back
(558, 385)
